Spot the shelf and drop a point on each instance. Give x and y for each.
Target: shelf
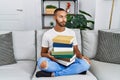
(47, 27)
(48, 14)
(52, 14)
(59, 0)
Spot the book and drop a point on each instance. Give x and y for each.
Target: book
(62, 53)
(67, 59)
(62, 45)
(62, 49)
(63, 56)
(65, 63)
(63, 39)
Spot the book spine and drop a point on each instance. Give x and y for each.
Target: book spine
(62, 53)
(62, 45)
(67, 59)
(62, 49)
(63, 56)
(62, 41)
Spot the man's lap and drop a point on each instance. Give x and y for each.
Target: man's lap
(54, 66)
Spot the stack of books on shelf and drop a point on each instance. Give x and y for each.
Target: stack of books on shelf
(63, 49)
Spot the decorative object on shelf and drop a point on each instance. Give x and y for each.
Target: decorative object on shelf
(79, 21)
(111, 14)
(50, 9)
(51, 24)
(68, 7)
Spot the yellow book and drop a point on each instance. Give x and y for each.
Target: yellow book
(63, 39)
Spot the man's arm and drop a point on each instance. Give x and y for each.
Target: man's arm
(79, 55)
(77, 52)
(46, 53)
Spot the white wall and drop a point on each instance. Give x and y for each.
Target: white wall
(103, 11)
(103, 8)
(31, 14)
(30, 17)
(116, 16)
(88, 6)
(20, 14)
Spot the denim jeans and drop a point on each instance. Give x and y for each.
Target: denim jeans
(76, 67)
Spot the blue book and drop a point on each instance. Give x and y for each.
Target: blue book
(62, 45)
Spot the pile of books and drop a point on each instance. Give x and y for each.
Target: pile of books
(63, 49)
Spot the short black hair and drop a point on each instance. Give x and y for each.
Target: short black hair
(58, 9)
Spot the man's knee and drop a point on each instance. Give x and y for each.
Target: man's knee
(87, 66)
(43, 64)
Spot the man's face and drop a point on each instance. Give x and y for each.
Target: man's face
(60, 18)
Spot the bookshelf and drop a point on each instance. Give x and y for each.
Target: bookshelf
(47, 18)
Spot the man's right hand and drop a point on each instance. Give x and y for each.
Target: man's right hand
(52, 57)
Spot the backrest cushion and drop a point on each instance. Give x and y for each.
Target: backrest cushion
(89, 42)
(6, 49)
(108, 49)
(23, 44)
(39, 41)
(41, 32)
(78, 37)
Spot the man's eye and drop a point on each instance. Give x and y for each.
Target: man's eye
(60, 16)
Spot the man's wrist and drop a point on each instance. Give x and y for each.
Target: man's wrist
(79, 56)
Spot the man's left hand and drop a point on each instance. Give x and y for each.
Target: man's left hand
(87, 59)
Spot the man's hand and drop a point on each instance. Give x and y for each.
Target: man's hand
(87, 59)
(52, 57)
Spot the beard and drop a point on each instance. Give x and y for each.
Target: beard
(61, 24)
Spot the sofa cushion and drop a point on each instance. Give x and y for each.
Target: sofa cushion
(88, 76)
(78, 36)
(23, 44)
(22, 70)
(89, 42)
(108, 47)
(39, 41)
(105, 71)
(6, 49)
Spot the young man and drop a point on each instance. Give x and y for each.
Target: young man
(47, 63)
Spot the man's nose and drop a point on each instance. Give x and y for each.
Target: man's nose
(64, 19)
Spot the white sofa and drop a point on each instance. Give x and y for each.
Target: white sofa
(24, 51)
(88, 76)
(102, 70)
(27, 46)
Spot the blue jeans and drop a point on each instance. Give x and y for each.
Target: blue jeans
(78, 66)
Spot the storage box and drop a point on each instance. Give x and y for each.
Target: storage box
(49, 11)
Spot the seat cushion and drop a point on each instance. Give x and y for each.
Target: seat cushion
(22, 70)
(105, 71)
(88, 76)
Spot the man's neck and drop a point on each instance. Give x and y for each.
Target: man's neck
(59, 29)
